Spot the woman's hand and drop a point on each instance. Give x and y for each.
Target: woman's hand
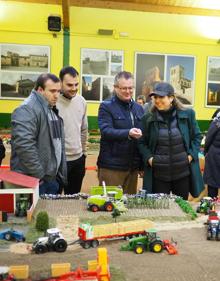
(190, 158)
(150, 161)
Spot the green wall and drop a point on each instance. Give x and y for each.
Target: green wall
(92, 120)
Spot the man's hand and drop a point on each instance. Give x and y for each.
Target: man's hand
(135, 133)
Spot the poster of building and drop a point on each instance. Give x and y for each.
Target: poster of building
(180, 74)
(178, 70)
(98, 70)
(20, 67)
(213, 82)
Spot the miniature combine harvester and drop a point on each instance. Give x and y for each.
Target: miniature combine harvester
(106, 198)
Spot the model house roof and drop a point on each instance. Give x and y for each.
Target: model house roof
(18, 179)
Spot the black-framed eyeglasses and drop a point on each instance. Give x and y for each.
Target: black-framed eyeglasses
(125, 89)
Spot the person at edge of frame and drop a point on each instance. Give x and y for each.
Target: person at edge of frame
(211, 174)
(2, 151)
(170, 145)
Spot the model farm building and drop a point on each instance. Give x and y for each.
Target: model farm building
(17, 189)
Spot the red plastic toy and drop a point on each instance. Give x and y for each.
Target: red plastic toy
(170, 247)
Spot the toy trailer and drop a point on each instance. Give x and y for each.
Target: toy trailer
(89, 235)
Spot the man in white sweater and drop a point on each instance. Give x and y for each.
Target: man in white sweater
(72, 108)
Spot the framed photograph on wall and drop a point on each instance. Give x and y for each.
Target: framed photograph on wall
(180, 74)
(178, 70)
(213, 82)
(98, 68)
(20, 67)
(149, 69)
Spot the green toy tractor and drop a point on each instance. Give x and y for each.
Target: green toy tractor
(149, 242)
(22, 205)
(206, 204)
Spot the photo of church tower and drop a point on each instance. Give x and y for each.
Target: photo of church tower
(180, 73)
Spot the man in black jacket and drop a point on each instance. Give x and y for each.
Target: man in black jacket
(119, 121)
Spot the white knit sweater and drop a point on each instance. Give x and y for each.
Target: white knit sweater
(73, 112)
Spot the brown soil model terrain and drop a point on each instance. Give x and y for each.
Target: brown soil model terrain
(196, 261)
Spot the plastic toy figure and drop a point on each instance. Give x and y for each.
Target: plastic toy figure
(11, 234)
(54, 241)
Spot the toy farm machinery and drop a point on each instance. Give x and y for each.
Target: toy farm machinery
(149, 242)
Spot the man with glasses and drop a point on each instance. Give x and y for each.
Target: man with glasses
(119, 121)
(72, 108)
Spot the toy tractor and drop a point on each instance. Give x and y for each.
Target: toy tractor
(9, 234)
(22, 205)
(206, 204)
(149, 242)
(54, 241)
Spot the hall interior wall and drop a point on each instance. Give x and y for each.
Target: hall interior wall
(26, 23)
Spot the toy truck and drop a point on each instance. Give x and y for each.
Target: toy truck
(213, 229)
(54, 241)
(89, 236)
(149, 242)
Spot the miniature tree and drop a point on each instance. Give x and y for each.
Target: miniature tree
(42, 221)
(116, 213)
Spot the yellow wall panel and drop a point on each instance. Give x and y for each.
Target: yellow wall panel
(150, 33)
(25, 23)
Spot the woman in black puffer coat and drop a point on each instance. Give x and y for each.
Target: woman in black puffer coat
(212, 157)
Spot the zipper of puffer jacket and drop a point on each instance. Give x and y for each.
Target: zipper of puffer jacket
(132, 123)
(170, 149)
